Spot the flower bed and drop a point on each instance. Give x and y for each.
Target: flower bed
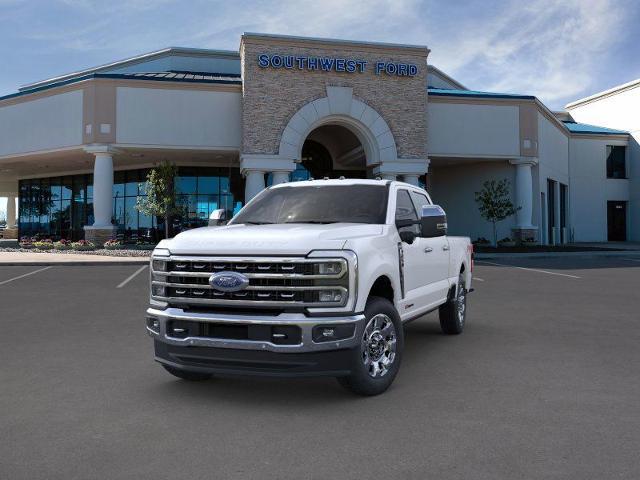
(100, 252)
(62, 245)
(83, 245)
(113, 245)
(112, 248)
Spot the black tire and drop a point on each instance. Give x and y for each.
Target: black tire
(453, 313)
(187, 375)
(375, 362)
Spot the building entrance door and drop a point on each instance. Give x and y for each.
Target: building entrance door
(617, 221)
(333, 151)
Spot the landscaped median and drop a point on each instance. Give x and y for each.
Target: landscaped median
(47, 252)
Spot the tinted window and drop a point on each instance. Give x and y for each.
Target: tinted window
(419, 200)
(616, 162)
(406, 211)
(317, 204)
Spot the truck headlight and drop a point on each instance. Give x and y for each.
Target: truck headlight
(158, 290)
(330, 296)
(159, 265)
(330, 268)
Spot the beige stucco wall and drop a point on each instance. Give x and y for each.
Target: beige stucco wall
(50, 122)
(473, 129)
(272, 96)
(178, 117)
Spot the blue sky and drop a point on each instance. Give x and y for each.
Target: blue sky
(557, 50)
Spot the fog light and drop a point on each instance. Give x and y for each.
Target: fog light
(158, 291)
(153, 324)
(332, 296)
(333, 268)
(328, 333)
(159, 265)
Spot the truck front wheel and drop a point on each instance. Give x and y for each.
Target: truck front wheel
(454, 312)
(376, 360)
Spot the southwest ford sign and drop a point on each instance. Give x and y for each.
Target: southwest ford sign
(335, 64)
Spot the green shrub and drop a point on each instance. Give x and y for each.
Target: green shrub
(83, 245)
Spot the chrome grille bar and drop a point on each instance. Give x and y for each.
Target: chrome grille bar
(273, 281)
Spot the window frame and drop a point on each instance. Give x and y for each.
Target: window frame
(414, 228)
(610, 167)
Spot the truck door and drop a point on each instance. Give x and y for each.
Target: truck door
(418, 277)
(437, 255)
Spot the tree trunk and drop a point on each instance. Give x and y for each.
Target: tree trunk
(495, 235)
(166, 226)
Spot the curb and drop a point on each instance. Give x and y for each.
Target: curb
(617, 253)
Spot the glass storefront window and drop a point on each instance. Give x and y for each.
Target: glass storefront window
(59, 207)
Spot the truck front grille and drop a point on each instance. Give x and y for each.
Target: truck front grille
(273, 282)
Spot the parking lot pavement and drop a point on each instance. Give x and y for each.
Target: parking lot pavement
(544, 383)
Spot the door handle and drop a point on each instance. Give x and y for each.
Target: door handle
(445, 247)
(428, 249)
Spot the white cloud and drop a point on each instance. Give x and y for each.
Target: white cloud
(547, 48)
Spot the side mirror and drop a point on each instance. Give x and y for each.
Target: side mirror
(407, 236)
(433, 221)
(218, 217)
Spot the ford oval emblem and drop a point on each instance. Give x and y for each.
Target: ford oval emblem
(228, 281)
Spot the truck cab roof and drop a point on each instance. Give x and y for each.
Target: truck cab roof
(344, 181)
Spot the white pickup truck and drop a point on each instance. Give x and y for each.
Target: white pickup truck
(309, 278)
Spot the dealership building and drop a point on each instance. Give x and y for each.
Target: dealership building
(75, 149)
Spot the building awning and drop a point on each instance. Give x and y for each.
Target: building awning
(585, 128)
(170, 76)
(477, 94)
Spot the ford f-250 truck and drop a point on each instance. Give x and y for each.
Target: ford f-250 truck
(309, 278)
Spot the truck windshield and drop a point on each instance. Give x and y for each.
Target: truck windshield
(317, 204)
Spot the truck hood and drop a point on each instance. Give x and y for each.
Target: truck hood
(277, 239)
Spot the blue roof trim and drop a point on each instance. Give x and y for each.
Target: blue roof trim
(444, 92)
(225, 80)
(585, 128)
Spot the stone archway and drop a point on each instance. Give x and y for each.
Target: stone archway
(339, 107)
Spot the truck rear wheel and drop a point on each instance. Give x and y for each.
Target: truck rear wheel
(454, 312)
(376, 360)
(187, 375)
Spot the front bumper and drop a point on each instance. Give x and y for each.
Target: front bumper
(263, 357)
(231, 361)
(304, 323)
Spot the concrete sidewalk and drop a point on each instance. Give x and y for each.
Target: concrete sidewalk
(34, 259)
(594, 253)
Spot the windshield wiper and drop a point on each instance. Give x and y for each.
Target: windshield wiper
(258, 223)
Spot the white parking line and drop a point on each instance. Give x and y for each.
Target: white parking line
(478, 279)
(529, 269)
(25, 275)
(131, 277)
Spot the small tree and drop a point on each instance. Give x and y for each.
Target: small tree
(494, 203)
(160, 200)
